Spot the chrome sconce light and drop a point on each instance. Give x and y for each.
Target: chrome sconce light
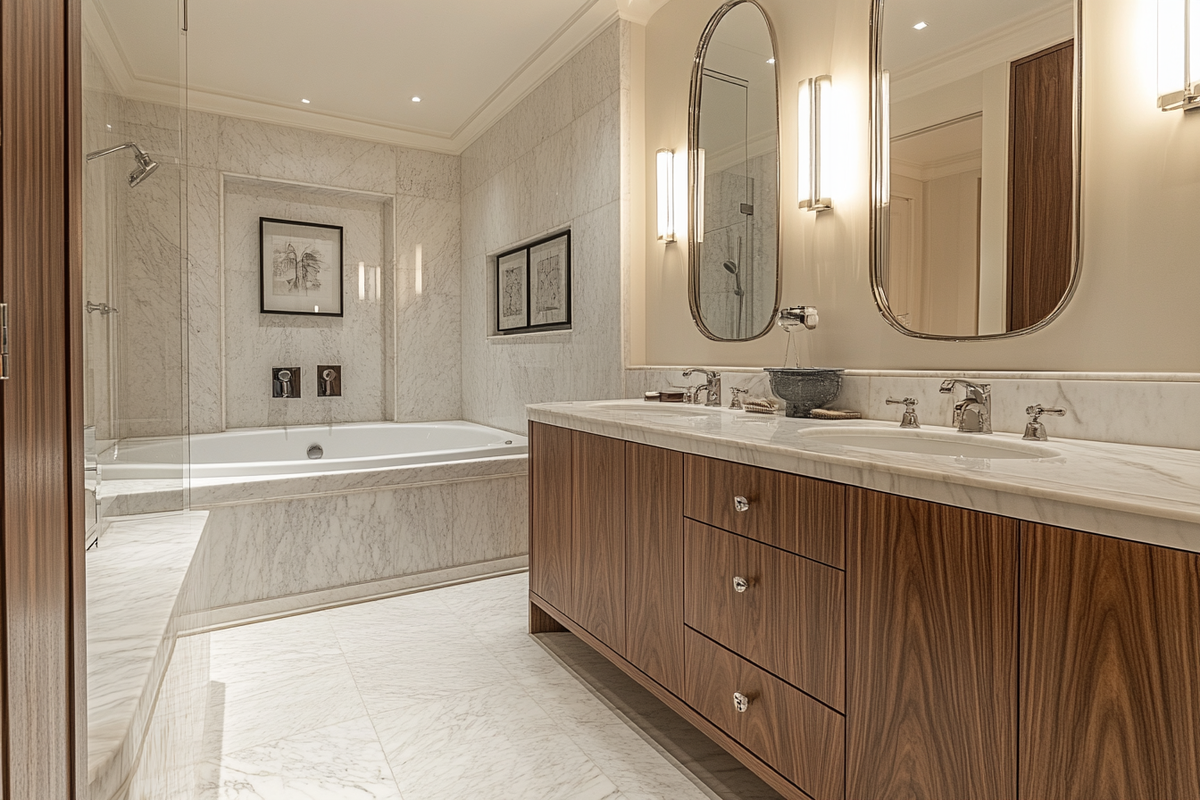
(811, 110)
(666, 196)
(1178, 55)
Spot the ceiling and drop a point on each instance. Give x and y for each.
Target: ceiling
(358, 62)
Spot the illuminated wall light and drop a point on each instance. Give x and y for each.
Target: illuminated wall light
(813, 94)
(1178, 54)
(920, 26)
(700, 175)
(666, 196)
(418, 277)
(362, 281)
(884, 189)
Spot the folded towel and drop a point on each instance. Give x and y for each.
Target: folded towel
(759, 405)
(833, 413)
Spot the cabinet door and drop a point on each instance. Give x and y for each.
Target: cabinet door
(654, 563)
(931, 690)
(598, 545)
(1110, 683)
(551, 561)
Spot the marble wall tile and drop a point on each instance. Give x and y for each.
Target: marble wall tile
(274, 151)
(431, 175)
(255, 342)
(595, 70)
(202, 139)
(429, 374)
(526, 188)
(205, 301)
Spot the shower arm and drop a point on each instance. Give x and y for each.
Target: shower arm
(111, 150)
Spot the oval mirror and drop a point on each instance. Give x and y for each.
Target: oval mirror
(733, 149)
(976, 165)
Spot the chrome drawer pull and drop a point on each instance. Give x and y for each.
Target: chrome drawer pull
(740, 584)
(741, 504)
(741, 702)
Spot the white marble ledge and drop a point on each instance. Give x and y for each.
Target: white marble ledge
(1134, 492)
(144, 496)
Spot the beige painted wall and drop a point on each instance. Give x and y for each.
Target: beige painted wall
(1134, 309)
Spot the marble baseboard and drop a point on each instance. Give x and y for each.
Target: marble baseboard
(1139, 409)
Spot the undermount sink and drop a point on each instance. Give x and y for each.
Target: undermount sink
(930, 443)
(648, 409)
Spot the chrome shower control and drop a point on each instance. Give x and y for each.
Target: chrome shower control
(740, 585)
(285, 382)
(329, 380)
(741, 504)
(741, 702)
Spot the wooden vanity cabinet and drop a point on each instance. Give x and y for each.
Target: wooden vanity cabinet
(931, 651)
(1110, 668)
(884, 647)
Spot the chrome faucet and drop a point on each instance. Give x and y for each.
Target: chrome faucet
(972, 414)
(711, 387)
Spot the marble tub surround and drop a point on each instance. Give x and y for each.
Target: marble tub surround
(439, 694)
(134, 579)
(1146, 409)
(414, 347)
(1135, 492)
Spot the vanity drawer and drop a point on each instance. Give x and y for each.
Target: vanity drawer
(790, 619)
(797, 736)
(801, 515)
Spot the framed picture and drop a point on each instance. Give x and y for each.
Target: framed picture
(550, 282)
(512, 291)
(300, 267)
(533, 286)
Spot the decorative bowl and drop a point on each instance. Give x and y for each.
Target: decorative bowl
(807, 388)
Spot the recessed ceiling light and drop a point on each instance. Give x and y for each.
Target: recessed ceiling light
(770, 61)
(920, 26)
(416, 99)
(109, 127)
(305, 100)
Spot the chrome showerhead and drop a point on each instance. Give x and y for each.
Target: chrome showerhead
(145, 164)
(736, 271)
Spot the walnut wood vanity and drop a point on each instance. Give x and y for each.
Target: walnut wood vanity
(846, 643)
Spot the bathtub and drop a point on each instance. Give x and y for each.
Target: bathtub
(298, 450)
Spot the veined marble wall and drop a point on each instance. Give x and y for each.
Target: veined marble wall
(400, 354)
(554, 161)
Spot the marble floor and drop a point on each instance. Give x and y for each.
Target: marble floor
(443, 695)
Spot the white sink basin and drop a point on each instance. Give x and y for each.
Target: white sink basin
(645, 409)
(930, 443)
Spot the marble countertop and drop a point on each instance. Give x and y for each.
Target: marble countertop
(1145, 494)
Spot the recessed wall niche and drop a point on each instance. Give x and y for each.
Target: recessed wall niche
(362, 340)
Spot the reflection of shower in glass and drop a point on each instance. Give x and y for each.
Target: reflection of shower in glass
(145, 164)
(734, 268)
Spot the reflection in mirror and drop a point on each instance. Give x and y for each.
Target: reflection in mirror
(734, 172)
(976, 178)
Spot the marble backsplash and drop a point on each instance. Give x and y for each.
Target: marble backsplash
(1152, 409)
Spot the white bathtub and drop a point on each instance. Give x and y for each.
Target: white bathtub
(285, 451)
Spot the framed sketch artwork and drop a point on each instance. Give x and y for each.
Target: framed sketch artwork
(533, 286)
(300, 268)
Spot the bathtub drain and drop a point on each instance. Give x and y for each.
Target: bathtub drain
(315, 451)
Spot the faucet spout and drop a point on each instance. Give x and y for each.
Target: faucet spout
(972, 414)
(711, 386)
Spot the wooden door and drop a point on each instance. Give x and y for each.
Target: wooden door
(654, 563)
(1041, 220)
(550, 516)
(41, 424)
(1110, 682)
(931, 650)
(598, 545)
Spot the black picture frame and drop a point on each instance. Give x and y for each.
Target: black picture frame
(318, 265)
(545, 286)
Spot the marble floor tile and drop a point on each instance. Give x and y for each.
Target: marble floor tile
(340, 762)
(443, 695)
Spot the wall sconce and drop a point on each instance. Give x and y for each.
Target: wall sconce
(811, 110)
(1178, 54)
(666, 196)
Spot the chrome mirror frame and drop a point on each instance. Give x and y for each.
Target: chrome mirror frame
(880, 218)
(693, 168)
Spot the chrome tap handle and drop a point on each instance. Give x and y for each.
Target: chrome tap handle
(712, 386)
(909, 421)
(1035, 430)
(738, 394)
(972, 414)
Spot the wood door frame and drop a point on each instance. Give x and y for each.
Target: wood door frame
(43, 642)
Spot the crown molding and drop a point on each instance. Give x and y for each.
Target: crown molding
(588, 21)
(1026, 35)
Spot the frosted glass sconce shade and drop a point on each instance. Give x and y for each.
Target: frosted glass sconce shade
(813, 93)
(1178, 54)
(666, 195)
